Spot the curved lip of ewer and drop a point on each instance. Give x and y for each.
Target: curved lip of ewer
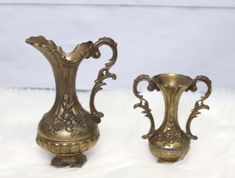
(173, 79)
(46, 46)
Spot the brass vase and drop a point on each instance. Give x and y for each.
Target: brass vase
(169, 142)
(68, 130)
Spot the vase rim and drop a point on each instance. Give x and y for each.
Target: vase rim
(82, 50)
(173, 80)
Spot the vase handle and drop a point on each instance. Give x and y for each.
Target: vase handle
(103, 73)
(144, 103)
(199, 104)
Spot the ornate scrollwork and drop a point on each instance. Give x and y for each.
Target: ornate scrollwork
(144, 103)
(103, 73)
(170, 136)
(199, 104)
(67, 120)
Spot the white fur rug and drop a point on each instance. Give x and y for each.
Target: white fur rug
(120, 151)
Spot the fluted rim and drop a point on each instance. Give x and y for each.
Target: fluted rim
(173, 79)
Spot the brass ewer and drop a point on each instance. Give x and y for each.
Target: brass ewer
(169, 142)
(68, 130)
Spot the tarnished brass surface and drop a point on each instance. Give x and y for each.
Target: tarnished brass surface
(68, 130)
(169, 142)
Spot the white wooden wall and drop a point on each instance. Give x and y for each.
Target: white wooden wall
(182, 36)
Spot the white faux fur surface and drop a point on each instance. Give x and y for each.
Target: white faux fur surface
(120, 151)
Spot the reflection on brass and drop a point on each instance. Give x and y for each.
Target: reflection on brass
(169, 143)
(68, 130)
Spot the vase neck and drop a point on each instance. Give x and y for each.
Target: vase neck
(64, 67)
(65, 79)
(172, 96)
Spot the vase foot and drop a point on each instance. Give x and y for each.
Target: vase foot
(70, 161)
(167, 161)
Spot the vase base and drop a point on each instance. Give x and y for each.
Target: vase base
(168, 161)
(70, 161)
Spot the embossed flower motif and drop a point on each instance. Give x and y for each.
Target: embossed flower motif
(67, 120)
(170, 136)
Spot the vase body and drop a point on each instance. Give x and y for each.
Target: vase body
(169, 142)
(68, 130)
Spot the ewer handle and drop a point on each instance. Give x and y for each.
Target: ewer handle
(199, 104)
(103, 73)
(144, 103)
